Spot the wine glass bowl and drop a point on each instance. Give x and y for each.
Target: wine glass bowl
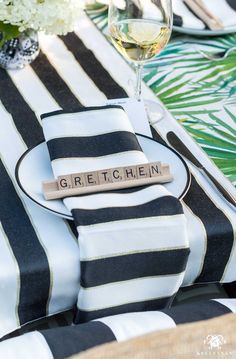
(140, 29)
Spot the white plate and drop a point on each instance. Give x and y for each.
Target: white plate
(34, 167)
(190, 31)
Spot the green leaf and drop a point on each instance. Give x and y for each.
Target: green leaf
(216, 144)
(222, 133)
(212, 75)
(193, 112)
(231, 115)
(192, 104)
(211, 140)
(230, 170)
(8, 32)
(149, 76)
(225, 134)
(214, 127)
(167, 83)
(220, 153)
(188, 84)
(179, 99)
(171, 90)
(223, 123)
(224, 163)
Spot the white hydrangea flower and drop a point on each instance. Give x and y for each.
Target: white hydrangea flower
(50, 16)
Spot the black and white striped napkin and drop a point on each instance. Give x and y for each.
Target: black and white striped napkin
(133, 243)
(63, 342)
(224, 10)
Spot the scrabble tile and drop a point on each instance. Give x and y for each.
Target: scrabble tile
(143, 171)
(78, 180)
(155, 169)
(91, 178)
(104, 176)
(64, 182)
(117, 174)
(130, 173)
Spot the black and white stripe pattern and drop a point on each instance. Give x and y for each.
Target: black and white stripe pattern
(218, 251)
(133, 245)
(204, 212)
(215, 252)
(22, 228)
(199, 233)
(224, 10)
(63, 342)
(24, 95)
(31, 275)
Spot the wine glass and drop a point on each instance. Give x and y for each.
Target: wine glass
(140, 29)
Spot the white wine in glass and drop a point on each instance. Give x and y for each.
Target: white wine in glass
(140, 29)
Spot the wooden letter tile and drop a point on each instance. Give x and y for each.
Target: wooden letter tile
(91, 178)
(104, 176)
(130, 173)
(107, 180)
(143, 171)
(117, 174)
(155, 169)
(78, 180)
(64, 182)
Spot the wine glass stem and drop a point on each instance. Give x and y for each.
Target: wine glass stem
(138, 89)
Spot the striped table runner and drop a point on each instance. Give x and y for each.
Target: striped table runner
(61, 343)
(39, 259)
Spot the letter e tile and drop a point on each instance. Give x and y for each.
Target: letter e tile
(91, 178)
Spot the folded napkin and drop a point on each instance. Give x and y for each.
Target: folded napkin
(63, 342)
(133, 244)
(224, 10)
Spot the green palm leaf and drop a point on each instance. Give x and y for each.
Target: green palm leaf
(198, 92)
